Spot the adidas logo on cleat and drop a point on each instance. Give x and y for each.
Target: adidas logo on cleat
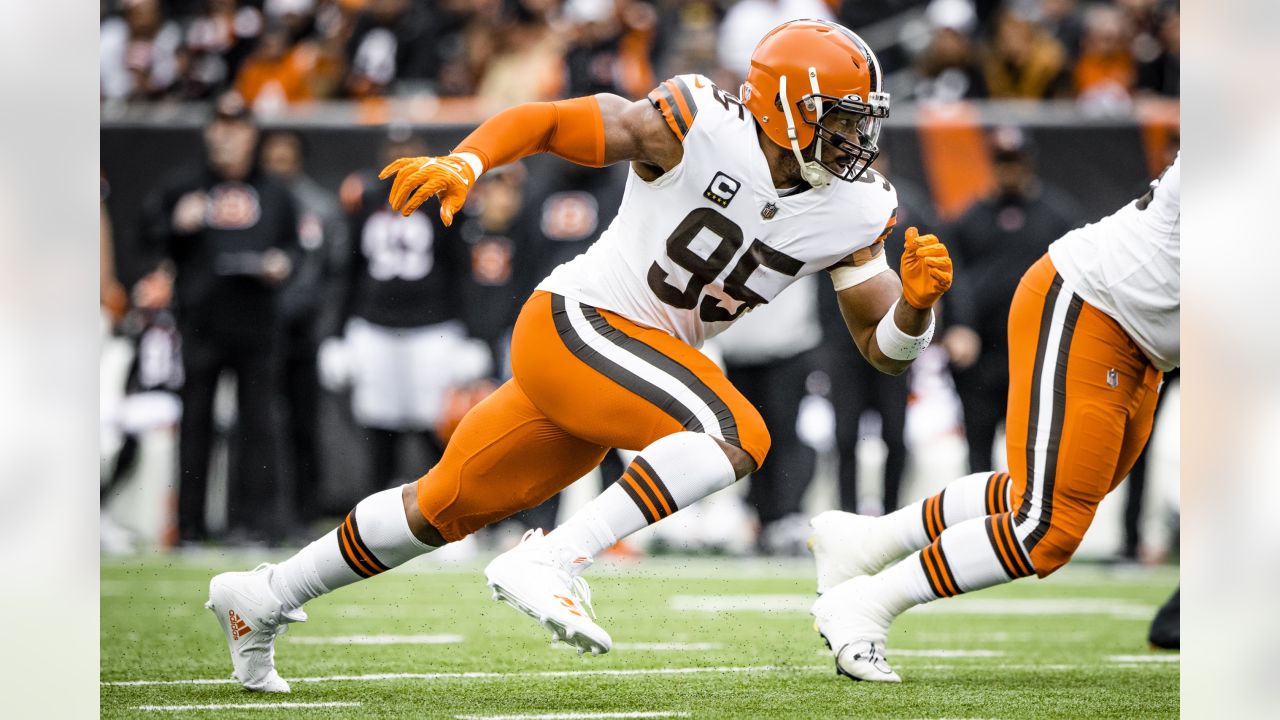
(239, 628)
(569, 603)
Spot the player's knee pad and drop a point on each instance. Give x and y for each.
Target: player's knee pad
(753, 437)
(1047, 556)
(452, 511)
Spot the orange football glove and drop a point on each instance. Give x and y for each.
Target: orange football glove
(418, 178)
(926, 269)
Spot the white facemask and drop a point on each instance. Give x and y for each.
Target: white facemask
(811, 170)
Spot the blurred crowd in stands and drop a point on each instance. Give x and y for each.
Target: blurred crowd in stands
(281, 52)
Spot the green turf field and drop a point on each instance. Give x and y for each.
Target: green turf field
(694, 638)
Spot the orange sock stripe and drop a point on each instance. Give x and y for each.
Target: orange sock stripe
(991, 494)
(358, 545)
(1021, 564)
(927, 561)
(941, 520)
(353, 561)
(930, 526)
(656, 495)
(1006, 490)
(944, 570)
(626, 482)
(630, 479)
(997, 546)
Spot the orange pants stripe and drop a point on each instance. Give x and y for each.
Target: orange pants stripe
(585, 381)
(1082, 399)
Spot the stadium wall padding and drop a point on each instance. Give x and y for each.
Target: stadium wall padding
(1100, 164)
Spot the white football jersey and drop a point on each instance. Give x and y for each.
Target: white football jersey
(693, 250)
(1127, 266)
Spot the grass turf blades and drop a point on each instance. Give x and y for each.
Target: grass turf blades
(1071, 646)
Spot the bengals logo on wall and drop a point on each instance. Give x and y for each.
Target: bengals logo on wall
(491, 260)
(570, 216)
(233, 206)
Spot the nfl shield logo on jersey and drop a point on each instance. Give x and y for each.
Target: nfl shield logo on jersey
(768, 211)
(722, 189)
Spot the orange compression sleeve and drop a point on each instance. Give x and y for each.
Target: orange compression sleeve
(572, 129)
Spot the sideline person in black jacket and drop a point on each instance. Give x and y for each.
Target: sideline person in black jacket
(226, 236)
(993, 244)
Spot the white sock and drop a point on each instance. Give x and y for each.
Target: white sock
(971, 555)
(920, 523)
(374, 538)
(671, 473)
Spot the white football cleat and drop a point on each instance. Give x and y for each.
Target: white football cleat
(543, 582)
(855, 630)
(842, 545)
(252, 617)
(864, 660)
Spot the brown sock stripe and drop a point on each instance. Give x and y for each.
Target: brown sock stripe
(933, 526)
(348, 553)
(944, 569)
(997, 546)
(660, 493)
(939, 520)
(929, 573)
(1020, 561)
(629, 484)
(991, 494)
(1002, 492)
(365, 553)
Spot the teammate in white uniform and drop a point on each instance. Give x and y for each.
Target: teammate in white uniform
(728, 202)
(1092, 327)
(1127, 266)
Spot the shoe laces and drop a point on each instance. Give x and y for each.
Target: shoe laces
(874, 655)
(564, 559)
(582, 591)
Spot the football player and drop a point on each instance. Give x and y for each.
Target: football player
(728, 201)
(1092, 326)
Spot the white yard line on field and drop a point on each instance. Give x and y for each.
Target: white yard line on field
(380, 677)
(1144, 658)
(907, 652)
(572, 715)
(247, 706)
(795, 603)
(377, 640)
(946, 654)
(489, 675)
(657, 646)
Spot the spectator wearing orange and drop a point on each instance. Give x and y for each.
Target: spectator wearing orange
(277, 74)
(1106, 72)
(1024, 60)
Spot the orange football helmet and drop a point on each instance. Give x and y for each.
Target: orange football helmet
(826, 75)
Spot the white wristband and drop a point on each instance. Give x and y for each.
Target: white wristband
(471, 159)
(898, 345)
